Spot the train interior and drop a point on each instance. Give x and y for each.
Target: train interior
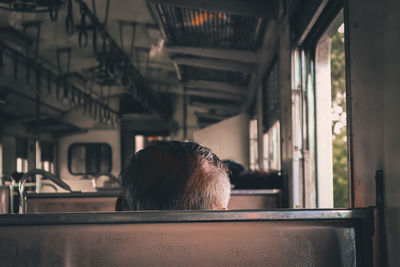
(301, 93)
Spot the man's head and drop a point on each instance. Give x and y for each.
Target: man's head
(174, 176)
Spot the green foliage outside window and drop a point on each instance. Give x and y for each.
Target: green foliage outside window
(339, 142)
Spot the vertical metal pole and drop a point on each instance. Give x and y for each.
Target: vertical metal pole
(36, 142)
(94, 7)
(185, 100)
(260, 128)
(106, 15)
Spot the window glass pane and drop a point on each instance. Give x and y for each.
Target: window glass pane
(339, 127)
(139, 142)
(19, 165)
(92, 158)
(77, 159)
(266, 152)
(253, 145)
(330, 111)
(105, 158)
(22, 148)
(89, 158)
(46, 151)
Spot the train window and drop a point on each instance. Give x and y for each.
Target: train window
(89, 158)
(21, 154)
(46, 156)
(139, 142)
(22, 164)
(272, 147)
(304, 167)
(331, 116)
(339, 125)
(271, 138)
(253, 145)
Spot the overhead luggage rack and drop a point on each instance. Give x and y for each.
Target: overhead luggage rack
(203, 28)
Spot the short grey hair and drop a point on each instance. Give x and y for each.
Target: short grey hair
(174, 175)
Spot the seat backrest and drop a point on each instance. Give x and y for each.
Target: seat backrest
(5, 199)
(69, 202)
(184, 238)
(105, 201)
(266, 199)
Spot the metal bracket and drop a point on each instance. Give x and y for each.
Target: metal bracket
(122, 24)
(63, 51)
(83, 35)
(69, 19)
(35, 24)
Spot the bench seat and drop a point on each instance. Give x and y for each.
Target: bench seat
(186, 238)
(105, 201)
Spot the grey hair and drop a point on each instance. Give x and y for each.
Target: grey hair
(175, 176)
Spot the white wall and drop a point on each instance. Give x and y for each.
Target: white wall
(228, 139)
(111, 137)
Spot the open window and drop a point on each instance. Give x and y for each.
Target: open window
(320, 172)
(331, 116)
(305, 182)
(271, 106)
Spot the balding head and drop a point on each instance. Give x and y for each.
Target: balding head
(174, 176)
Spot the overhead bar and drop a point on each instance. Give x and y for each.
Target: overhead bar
(210, 115)
(219, 53)
(217, 64)
(213, 95)
(217, 86)
(222, 107)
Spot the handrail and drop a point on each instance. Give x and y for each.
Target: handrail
(46, 175)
